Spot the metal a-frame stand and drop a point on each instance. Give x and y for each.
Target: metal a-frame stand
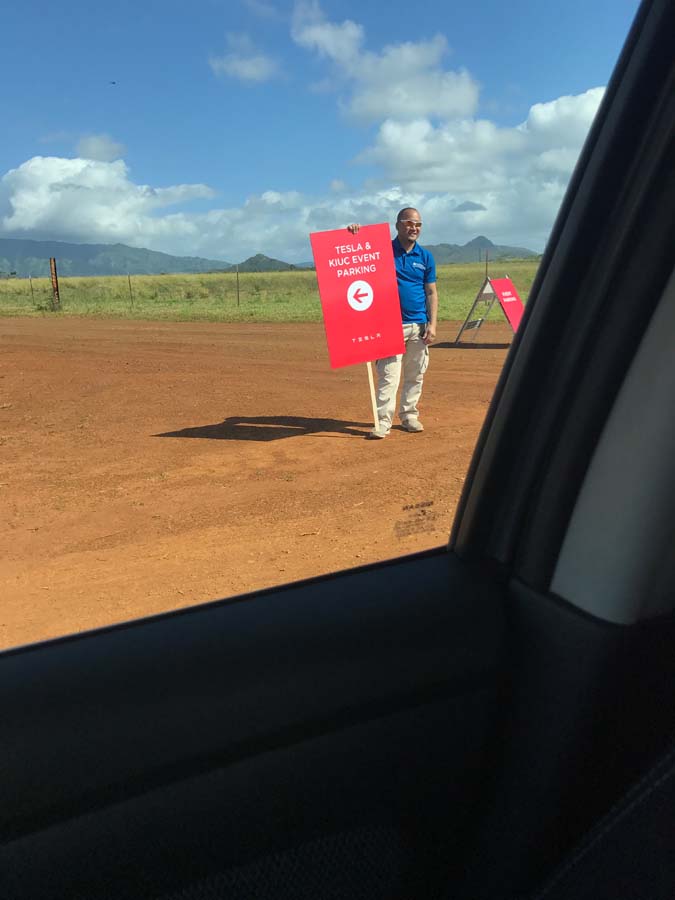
(479, 311)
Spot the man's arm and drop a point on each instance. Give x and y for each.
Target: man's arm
(432, 312)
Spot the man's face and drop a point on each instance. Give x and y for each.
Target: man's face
(408, 226)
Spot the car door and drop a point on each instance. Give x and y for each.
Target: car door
(444, 724)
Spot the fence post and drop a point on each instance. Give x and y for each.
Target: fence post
(56, 299)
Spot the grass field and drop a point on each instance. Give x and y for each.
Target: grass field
(262, 297)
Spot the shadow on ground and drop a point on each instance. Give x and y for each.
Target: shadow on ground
(451, 346)
(269, 428)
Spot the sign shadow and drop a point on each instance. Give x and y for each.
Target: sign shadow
(268, 428)
(450, 345)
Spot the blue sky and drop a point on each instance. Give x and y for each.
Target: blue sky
(239, 127)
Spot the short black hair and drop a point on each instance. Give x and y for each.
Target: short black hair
(406, 209)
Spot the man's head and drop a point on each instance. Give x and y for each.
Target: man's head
(408, 225)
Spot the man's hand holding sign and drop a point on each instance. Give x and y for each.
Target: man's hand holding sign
(379, 302)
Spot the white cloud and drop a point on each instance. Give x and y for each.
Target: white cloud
(518, 175)
(567, 118)
(90, 201)
(404, 81)
(468, 176)
(100, 147)
(466, 155)
(244, 62)
(278, 224)
(339, 43)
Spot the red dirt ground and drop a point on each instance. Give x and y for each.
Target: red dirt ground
(148, 466)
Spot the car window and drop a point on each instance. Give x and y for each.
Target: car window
(171, 428)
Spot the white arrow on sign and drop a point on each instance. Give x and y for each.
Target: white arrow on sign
(359, 295)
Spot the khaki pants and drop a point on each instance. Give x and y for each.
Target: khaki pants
(414, 364)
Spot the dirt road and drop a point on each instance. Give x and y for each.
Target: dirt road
(149, 466)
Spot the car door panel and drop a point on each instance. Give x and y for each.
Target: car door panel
(319, 708)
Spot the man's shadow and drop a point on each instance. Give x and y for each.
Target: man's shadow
(268, 428)
(449, 345)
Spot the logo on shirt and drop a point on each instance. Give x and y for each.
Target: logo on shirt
(418, 266)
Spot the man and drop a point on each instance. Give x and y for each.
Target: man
(416, 279)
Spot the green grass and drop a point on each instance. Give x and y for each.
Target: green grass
(263, 297)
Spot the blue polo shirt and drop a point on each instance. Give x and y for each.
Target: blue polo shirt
(413, 271)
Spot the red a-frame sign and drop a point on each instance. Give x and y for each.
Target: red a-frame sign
(502, 290)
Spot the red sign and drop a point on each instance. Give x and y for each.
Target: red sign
(509, 300)
(359, 294)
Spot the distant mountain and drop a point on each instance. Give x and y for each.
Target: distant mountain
(262, 263)
(32, 258)
(24, 258)
(475, 250)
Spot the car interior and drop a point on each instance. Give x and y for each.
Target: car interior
(487, 720)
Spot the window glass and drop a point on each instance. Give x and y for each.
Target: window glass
(171, 429)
